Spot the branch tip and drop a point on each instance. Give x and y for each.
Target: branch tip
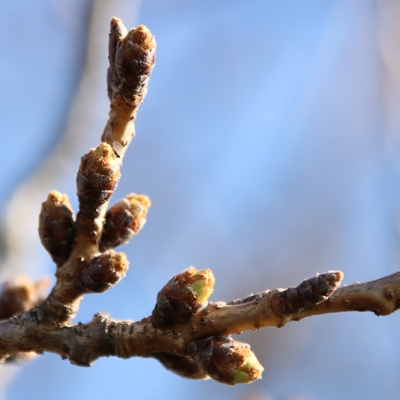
(311, 291)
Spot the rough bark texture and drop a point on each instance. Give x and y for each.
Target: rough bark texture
(84, 343)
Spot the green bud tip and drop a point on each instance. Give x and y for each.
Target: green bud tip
(250, 371)
(203, 284)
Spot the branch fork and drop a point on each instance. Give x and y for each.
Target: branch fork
(187, 334)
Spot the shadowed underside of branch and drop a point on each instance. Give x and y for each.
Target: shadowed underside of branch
(188, 335)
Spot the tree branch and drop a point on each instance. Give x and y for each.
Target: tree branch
(84, 343)
(186, 334)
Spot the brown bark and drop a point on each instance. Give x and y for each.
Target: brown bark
(84, 343)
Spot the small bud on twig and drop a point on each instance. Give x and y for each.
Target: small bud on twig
(56, 226)
(183, 366)
(226, 360)
(97, 178)
(182, 296)
(132, 58)
(103, 272)
(124, 220)
(311, 291)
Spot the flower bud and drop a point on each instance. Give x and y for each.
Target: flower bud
(183, 366)
(311, 291)
(183, 296)
(124, 220)
(226, 360)
(97, 178)
(103, 272)
(56, 227)
(132, 58)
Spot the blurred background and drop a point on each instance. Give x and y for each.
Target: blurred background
(269, 145)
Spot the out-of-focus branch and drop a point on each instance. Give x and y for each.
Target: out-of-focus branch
(389, 42)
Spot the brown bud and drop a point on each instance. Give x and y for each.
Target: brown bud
(132, 58)
(311, 291)
(97, 178)
(183, 366)
(183, 296)
(103, 272)
(226, 360)
(124, 220)
(56, 226)
(20, 295)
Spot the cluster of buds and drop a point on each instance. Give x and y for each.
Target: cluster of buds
(132, 57)
(82, 247)
(96, 181)
(220, 358)
(94, 267)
